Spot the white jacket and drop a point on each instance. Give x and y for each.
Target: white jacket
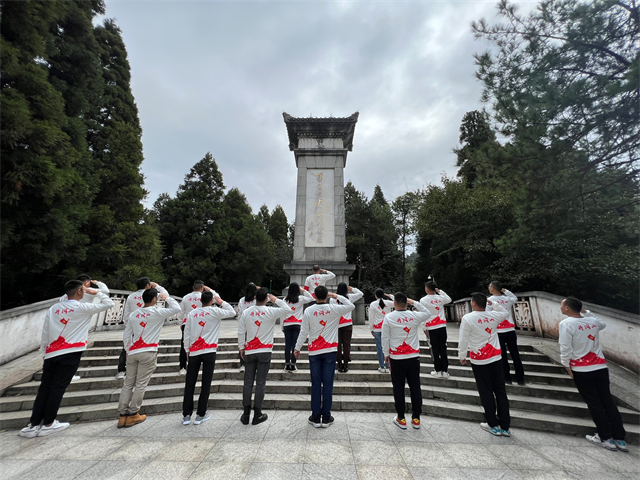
(434, 303)
(134, 301)
(377, 314)
(242, 305)
(316, 280)
(580, 343)
(142, 331)
(66, 325)
(320, 323)
(191, 302)
(346, 320)
(202, 328)
(479, 335)
(506, 301)
(88, 298)
(297, 309)
(258, 323)
(400, 332)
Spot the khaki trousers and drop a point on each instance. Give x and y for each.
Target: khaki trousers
(140, 367)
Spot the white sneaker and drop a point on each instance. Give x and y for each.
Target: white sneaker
(382, 370)
(120, 375)
(55, 427)
(386, 370)
(497, 431)
(200, 419)
(29, 431)
(608, 444)
(186, 420)
(183, 371)
(435, 374)
(242, 368)
(444, 374)
(76, 378)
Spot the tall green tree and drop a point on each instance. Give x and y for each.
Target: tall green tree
(193, 228)
(403, 208)
(50, 79)
(278, 229)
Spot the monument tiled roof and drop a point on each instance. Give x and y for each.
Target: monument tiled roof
(323, 127)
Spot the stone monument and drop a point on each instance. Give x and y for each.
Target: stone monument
(320, 147)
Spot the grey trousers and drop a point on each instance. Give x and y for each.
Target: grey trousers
(140, 367)
(256, 365)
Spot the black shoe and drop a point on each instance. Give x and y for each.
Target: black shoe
(294, 368)
(244, 418)
(521, 383)
(508, 382)
(315, 421)
(345, 369)
(259, 417)
(327, 421)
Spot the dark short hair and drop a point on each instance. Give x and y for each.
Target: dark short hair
(431, 285)
(206, 297)
(321, 292)
(198, 283)
(316, 268)
(497, 285)
(261, 294)
(142, 282)
(573, 303)
(342, 289)
(400, 298)
(480, 299)
(83, 277)
(72, 286)
(149, 294)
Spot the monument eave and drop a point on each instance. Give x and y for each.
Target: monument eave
(322, 127)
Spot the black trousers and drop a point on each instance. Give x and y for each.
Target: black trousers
(408, 369)
(291, 334)
(438, 338)
(208, 362)
(493, 394)
(122, 361)
(257, 369)
(594, 390)
(183, 352)
(57, 373)
(344, 344)
(509, 341)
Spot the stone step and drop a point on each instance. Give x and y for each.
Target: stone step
(303, 387)
(279, 351)
(358, 358)
(520, 418)
(278, 342)
(536, 390)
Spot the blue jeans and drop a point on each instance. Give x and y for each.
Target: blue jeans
(378, 337)
(322, 372)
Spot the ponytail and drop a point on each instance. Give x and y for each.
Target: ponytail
(380, 295)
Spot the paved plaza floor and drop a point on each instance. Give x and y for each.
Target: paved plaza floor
(358, 446)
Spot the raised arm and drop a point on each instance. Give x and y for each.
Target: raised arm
(592, 318)
(225, 311)
(306, 296)
(172, 309)
(445, 298)
(512, 298)
(105, 304)
(346, 306)
(422, 313)
(281, 309)
(356, 295)
(327, 275)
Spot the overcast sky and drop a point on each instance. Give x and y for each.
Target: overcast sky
(216, 77)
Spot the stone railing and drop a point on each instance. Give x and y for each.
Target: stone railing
(538, 313)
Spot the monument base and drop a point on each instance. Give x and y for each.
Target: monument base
(299, 271)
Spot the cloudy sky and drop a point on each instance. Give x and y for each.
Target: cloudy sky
(216, 77)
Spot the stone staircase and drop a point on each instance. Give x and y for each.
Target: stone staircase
(548, 402)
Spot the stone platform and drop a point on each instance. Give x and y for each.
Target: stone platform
(359, 446)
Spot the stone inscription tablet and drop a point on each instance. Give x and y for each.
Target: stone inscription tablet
(320, 221)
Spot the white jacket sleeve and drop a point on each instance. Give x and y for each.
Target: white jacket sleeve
(346, 306)
(565, 339)
(463, 340)
(44, 341)
(512, 298)
(127, 336)
(305, 296)
(328, 276)
(103, 287)
(498, 309)
(172, 309)
(599, 322)
(105, 304)
(445, 298)
(386, 338)
(242, 331)
(422, 313)
(281, 310)
(161, 290)
(225, 311)
(356, 295)
(304, 332)
(371, 313)
(187, 333)
(127, 310)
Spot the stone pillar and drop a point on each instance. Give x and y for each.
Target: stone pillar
(320, 147)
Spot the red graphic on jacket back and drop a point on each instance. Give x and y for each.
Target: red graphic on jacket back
(140, 343)
(306, 288)
(200, 344)
(404, 348)
(589, 359)
(292, 319)
(255, 342)
(591, 337)
(486, 352)
(139, 304)
(345, 320)
(60, 343)
(320, 343)
(505, 324)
